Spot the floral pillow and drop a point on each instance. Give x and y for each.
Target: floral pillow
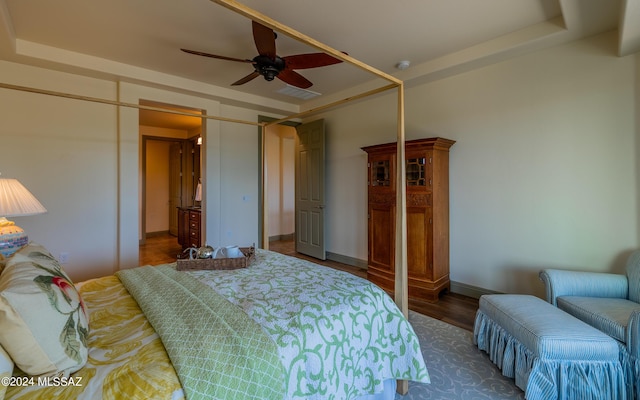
(43, 321)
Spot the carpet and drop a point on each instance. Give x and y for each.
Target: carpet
(458, 370)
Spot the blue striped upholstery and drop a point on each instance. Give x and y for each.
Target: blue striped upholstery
(551, 354)
(611, 316)
(609, 302)
(560, 283)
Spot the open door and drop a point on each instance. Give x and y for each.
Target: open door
(310, 201)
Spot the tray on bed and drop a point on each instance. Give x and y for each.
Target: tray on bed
(218, 263)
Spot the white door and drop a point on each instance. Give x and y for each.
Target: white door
(310, 205)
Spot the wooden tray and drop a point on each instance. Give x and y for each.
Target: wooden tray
(218, 263)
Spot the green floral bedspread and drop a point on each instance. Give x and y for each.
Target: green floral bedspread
(339, 336)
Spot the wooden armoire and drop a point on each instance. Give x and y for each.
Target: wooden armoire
(427, 176)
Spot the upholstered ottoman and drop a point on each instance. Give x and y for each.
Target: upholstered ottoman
(551, 354)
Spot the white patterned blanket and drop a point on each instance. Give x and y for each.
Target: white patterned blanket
(339, 336)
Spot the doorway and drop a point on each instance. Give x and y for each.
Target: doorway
(170, 169)
(280, 164)
(170, 177)
(295, 185)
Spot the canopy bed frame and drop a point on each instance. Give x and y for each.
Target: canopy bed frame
(401, 277)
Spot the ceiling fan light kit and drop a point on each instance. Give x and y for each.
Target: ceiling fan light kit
(268, 64)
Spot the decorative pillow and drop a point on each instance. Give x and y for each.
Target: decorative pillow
(6, 369)
(43, 321)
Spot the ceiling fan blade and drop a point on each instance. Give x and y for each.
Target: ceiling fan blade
(246, 79)
(199, 53)
(311, 60)
(294, 79)
(265, 40)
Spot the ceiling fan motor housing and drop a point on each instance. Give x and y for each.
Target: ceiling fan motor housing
(268, 67)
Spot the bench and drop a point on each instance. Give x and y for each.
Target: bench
(549, 353)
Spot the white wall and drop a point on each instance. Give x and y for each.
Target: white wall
(544, 172)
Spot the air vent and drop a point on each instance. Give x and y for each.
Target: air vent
(297, 92)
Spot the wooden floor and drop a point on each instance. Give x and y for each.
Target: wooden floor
(160, 249)
(451, 308)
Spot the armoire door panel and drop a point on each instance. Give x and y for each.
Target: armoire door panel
(381, 237)
(418, 257)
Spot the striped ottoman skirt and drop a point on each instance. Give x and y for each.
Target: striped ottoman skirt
(549, 353)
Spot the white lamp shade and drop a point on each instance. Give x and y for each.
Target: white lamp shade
(16, 200)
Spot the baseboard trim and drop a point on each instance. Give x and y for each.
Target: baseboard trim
(281, 237)
(469, 290)
(354, 262)
(455, 287)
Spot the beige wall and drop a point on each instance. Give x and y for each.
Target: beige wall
(82, 161)
(544, 172)
(65, 152)
(157, 186)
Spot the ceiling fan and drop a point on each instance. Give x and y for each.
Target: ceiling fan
(268, 64)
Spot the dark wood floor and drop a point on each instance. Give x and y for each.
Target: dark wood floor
(451, 308)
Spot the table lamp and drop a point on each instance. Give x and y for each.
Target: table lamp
(15, 201)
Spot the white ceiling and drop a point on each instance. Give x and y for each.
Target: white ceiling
(141, 40)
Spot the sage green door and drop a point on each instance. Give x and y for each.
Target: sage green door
(310, 197)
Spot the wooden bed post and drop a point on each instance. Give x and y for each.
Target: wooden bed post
(263, 189)
(401, 274)
(401, 283)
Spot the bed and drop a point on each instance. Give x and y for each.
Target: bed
(282, 328)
